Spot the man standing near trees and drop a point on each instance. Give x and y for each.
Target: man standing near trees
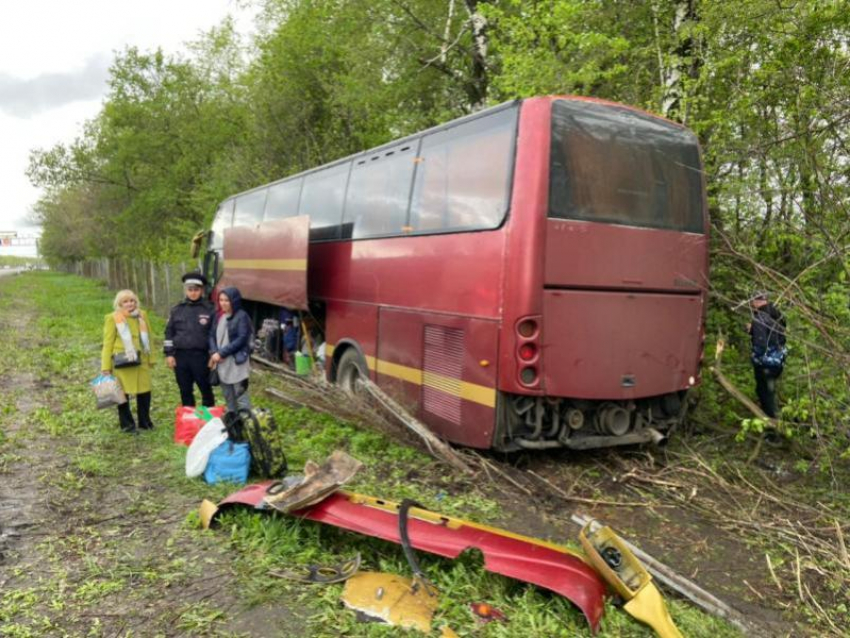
(767, 332)
(187, 341)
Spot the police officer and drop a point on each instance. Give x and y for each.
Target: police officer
(187, 341)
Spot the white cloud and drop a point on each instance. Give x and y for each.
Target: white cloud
(53, 62)
(27, 97)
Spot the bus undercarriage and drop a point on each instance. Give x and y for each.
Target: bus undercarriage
(533, 422)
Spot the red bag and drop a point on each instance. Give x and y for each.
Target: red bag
(188, 420)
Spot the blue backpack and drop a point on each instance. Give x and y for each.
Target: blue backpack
(228, 462)
(774, 358)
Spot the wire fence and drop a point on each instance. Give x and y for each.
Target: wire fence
(159, 286)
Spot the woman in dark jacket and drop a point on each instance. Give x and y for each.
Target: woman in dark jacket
(230, 349)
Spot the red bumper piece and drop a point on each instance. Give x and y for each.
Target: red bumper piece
(527, 559)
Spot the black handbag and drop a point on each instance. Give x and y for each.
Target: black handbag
(121, 360)
(214, 380)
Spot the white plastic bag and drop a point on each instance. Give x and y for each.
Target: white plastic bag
(206, 440)
(107, 390)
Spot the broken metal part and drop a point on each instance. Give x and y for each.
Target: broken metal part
(318, 482)
(527, 559)
(320, 574)
(622, 570)
(487, 613)
(392, 599)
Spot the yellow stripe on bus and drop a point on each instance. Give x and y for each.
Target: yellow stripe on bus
(266, 264)
(450, 385)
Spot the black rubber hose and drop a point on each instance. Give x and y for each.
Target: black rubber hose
(409, 554)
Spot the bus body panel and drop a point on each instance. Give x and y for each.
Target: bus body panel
(354, 323)
(268, 262)
(525, 237)
(442, 368)
(620, 345)
(454, 273)
(592, 255)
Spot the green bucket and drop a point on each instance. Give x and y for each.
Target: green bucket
(303, 364)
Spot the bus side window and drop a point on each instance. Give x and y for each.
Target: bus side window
(322, 200)
(378, 191)
(282, 201)
(463, 178)
(249, 208)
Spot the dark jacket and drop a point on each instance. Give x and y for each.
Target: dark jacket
(767, 331)
(240, 330)
(188, 326)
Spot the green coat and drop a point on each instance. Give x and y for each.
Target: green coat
(134, 380)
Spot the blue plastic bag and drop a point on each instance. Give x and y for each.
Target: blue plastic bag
(228, 462)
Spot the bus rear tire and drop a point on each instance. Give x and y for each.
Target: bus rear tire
(350, 369)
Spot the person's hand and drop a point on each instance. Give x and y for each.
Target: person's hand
(171, 361)
(215, 359)
(749, 327)
(106, 373)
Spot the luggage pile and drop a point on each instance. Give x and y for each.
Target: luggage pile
(227, 446)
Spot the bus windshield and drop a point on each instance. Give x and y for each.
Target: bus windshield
(615, 165)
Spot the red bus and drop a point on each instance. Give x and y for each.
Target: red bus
(530, 276)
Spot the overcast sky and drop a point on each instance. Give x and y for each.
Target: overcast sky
(54, 58)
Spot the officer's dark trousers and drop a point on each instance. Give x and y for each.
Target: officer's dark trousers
(766, 388)
(192, 369)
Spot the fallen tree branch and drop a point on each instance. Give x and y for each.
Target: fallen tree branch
(436, 446)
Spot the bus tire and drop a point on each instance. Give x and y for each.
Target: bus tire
(350, 368)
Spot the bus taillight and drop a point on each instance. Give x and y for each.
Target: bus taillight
(527, 351)
(527, 328)
(528, 376)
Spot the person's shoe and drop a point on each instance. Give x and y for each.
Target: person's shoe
(146, 426)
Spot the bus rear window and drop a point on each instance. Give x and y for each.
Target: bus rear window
(618, 166)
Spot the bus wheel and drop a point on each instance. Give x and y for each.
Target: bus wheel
(350, 369)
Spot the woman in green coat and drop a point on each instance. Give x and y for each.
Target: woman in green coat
(126, 334)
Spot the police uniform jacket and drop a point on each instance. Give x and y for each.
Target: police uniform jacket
(188, 326)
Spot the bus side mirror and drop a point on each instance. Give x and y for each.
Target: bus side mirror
(196, 243)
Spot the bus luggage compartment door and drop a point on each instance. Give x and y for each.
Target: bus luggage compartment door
(268, 262)
(619, 345)
(442, 368)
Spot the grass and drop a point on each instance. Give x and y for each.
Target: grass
(146, 541)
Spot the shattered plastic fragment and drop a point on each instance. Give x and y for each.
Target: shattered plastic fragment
(392, 599)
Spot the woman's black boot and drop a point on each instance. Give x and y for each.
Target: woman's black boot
(144, 408)
(125, 418)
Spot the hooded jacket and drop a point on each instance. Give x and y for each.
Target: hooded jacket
(240, 330)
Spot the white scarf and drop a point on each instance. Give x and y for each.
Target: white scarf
(127, 336)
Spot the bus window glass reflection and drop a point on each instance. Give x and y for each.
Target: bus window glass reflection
(378, 192)
(283, 199)
(249, 208)
(462, 179)
(322, 200)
